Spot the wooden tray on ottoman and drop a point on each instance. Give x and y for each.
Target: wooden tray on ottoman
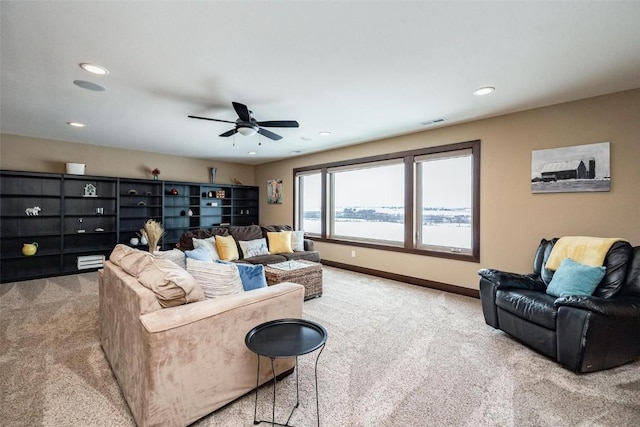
(309, 276)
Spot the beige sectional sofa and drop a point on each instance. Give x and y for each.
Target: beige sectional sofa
(177, 364)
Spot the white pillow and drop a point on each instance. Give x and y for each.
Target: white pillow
(297, 241)
(175, 255)
(209, 244)
(215, 279)
(254, 247)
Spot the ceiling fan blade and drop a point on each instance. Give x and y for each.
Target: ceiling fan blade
(207, 118)
(229, 132)
(242, 111)
(279, 124)
(269, 134)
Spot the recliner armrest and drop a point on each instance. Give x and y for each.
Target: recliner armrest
(506, 280)
(626, 306)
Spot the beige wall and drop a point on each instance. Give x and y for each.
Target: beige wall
(512, 219)
(45, 155)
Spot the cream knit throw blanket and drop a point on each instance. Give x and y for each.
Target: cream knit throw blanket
(585, 250)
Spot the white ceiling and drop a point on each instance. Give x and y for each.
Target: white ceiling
(362, 70)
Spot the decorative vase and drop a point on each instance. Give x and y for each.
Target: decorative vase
(190, 212)
(155, 177)
(29, 249)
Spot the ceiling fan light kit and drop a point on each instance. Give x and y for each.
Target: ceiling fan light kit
(246, 130)
(247, 125)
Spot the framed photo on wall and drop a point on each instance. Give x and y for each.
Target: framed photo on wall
(274, 191)
(571, 169)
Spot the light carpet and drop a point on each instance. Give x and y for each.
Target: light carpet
(397, 355)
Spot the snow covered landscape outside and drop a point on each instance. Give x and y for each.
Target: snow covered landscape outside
(369, 202)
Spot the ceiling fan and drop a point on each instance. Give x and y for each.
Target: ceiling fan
(246, 125)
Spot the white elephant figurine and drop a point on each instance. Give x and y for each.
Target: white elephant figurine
(34, 211)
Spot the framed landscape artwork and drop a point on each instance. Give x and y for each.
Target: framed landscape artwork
(571, 169)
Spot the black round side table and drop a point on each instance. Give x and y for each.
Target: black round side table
(286, 338)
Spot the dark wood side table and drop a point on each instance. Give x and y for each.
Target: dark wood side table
(286, 338)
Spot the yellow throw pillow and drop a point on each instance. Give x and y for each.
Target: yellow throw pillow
(279, 242)
(227, 248)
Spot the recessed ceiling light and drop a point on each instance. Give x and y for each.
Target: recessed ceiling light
(95, 69)
(324, 133)
(251, 153)
(433, 121)
(484, 90)
(89, 86)
(295, 152)
(76, 124)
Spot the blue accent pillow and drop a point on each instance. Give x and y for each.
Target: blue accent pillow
(200, 254)
(573, 278)
(251, 275)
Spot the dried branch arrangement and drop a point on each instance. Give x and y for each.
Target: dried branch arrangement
(153, 232)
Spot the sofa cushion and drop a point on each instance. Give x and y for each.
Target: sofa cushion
(297, 241)
(617, 264)
(200, 254)
(227, 248)
(313, 256)
(216, 279)
(534, 306)
(275, 228)
(186, 243)
(254, 248)
(209, 244)
(135, 261)
(265, 259)
(171, 284)
(251, 275)
(119, 252)
(574, 278)
(175, 255)
(245, 233)
(279, 242)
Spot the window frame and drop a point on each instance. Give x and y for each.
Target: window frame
(411, 187)
(299, 200)
(331, 176)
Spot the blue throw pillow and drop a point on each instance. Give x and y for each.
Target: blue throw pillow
(252, 276)
(200, 254)
(573, 278)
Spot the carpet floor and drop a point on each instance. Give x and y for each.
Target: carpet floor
(397, 355)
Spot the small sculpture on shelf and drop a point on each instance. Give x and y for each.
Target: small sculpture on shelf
(90, 190)
(29, 249)
(155, 173)
(80, 226)
(34, 211)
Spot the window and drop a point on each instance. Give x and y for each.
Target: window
(422, 201)
(368, 202)
(444, 203)
(309, 202)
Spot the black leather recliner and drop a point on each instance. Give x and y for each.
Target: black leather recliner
(583, 333)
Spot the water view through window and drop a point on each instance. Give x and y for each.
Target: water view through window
(369, 203)
(365, 201)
